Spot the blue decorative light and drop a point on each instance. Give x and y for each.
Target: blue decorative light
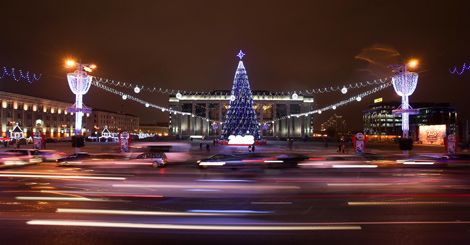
(21, 75)
(240, 54)
(464, 68)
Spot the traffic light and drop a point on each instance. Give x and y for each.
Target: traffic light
(406, 144)
(78, 141)
(81, 141)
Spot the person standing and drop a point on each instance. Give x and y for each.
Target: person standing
(208, 148)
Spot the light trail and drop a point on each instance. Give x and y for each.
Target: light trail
(283, 227)
(225, 180)
(60, 177)
(365, 195)
(205, 186)
(274, 203)
(417, 163)
(130, 212)
(355, 166)
(359, 181)
(357, 184)
(212, 164)
(229, 211)
(100, 194)
(310, 164)
(77, 199)
(394, 203)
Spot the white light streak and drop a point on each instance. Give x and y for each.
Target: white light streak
(355, 166)
(207, 186)
(60, 176)
(310, 164)
(212, 164)
(130, 212)
(417, 163)
(194, 227)
(77, 199)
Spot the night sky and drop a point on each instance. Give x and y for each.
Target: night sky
(192, 46)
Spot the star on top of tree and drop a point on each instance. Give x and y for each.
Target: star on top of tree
(240, 54)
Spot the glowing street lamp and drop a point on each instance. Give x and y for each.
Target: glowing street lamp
(79, 83)
(405, 83)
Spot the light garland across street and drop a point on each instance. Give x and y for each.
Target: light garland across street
(20, 75)
(139, 88)
(464, 68)
(358, 97)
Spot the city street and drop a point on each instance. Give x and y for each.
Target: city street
(181, 203)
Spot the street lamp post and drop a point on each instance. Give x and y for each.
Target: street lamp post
(405, 83)
(79, 83)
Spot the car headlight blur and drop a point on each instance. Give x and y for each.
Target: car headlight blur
(198, 161)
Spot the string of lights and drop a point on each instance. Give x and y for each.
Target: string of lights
(20, 75)
(464, 68)
(359, 97)
(138, 88)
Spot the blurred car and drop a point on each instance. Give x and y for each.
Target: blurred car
(31, 156)
(452, 160)
(12, 159)
(155, 159)
(76, 158)
(220, 160)
(251, 160)
(50, 155)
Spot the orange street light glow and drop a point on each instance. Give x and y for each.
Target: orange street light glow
(70, 63)
(413, 63)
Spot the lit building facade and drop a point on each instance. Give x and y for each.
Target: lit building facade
(379, 119)
(206, 114)
(160, 129)
(35, 114)
(335, 124)
(115, 122)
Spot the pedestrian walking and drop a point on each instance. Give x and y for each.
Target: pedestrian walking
(342, 148)
(200, 146)
(249, 148)
(253, 148)
(208, 148)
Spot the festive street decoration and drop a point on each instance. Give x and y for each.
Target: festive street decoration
(138, 88)
(79, 83)
(464, 68)
(20, 75)
(318, 111)
(241, 116)
(404, 85)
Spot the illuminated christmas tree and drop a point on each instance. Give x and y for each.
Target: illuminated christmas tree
(241, 116)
